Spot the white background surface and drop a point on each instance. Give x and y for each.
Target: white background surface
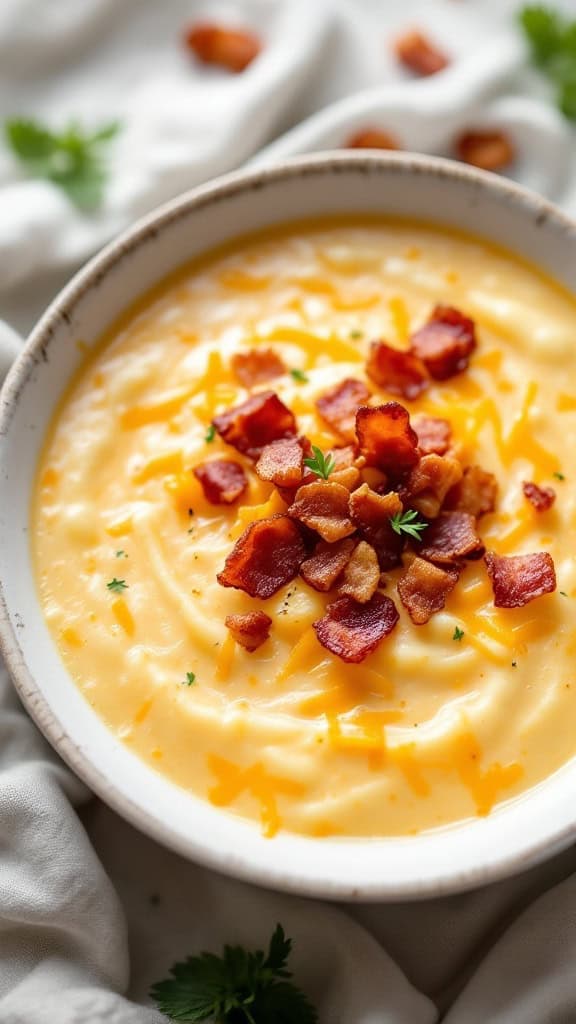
(76, 907)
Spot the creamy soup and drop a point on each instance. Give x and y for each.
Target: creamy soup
(444, 719)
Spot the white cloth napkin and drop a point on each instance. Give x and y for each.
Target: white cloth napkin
(91, 912)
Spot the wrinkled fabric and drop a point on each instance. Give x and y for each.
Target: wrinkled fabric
(91, 912)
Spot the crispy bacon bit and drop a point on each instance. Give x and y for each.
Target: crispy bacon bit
(352, 630)
(450, 537)
(338, 407)
(416, 52)
(348, 478)
(429, 483)
(445, 343)
(343, 457)
(362, 574)
(324, 567)
(475, 493)
(490, 150)
(372, 138)
(371, 513)
(250, 629)
(222, 481)
(400, 373)
(231, 48)
(542, 498)
(423, 589)
(259, 421)
(518, 579)
(323, 506)
(257, 366)
(267, 555)
(386, 438)
(434, 434)
(282, 462)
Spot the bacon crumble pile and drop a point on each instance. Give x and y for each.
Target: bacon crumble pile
(347, 518)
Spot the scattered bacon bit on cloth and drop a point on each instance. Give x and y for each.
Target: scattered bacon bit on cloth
(518, 579)
(371, 513)
(400, 373)
(339, 405)
(450, 537)
(386, 438)
(445, 343)
(251, 426)
(372, 138)
(282, 462)
(361, 575)
(267, 555)
(323, 568)
(434, 434)
(323, 506)
(222, 480)
(352, 630)
(429, 483)
(490, 150)
(250, 629)
(541, 498)
(423, 589)
(416, 52)
(475, 493)
(257, 366)
(231, 48)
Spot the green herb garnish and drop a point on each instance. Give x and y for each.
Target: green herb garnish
(319, 464)
(117, 586)
(121, 554)
(190, 679)
(238, 987)
(552, 40)
(71, 159)
(458, 633)
(299, 376)
(356, 334)
(559, 476)
(408, 523)
(210, 433)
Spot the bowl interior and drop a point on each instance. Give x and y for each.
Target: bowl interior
(515, 834)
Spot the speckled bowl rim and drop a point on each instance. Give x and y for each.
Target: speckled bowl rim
(35, 349)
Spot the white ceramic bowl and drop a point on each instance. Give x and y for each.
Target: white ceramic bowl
(516, 834)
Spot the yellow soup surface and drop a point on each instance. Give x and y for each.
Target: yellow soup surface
(429, 729)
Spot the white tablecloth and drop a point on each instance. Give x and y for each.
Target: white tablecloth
(91, 912)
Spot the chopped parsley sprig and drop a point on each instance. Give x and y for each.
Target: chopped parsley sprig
(117, 586)
(458, 633)
(408, 523)
(552, 40)
(190, 679)
(239, 987)
(299, 376)
(71, 158)
(319, 464)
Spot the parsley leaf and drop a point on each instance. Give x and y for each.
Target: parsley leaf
(238, 987)
(319, 464)
(117, 586)
(559, 476)
(408, 523)
(552, 41)
(71, 159)
(356, 334)
(190, 679)
(458, 633)
(210, 433)
(121, 554)
(299, 376)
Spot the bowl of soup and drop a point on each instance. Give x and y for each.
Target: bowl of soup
(288, 564)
